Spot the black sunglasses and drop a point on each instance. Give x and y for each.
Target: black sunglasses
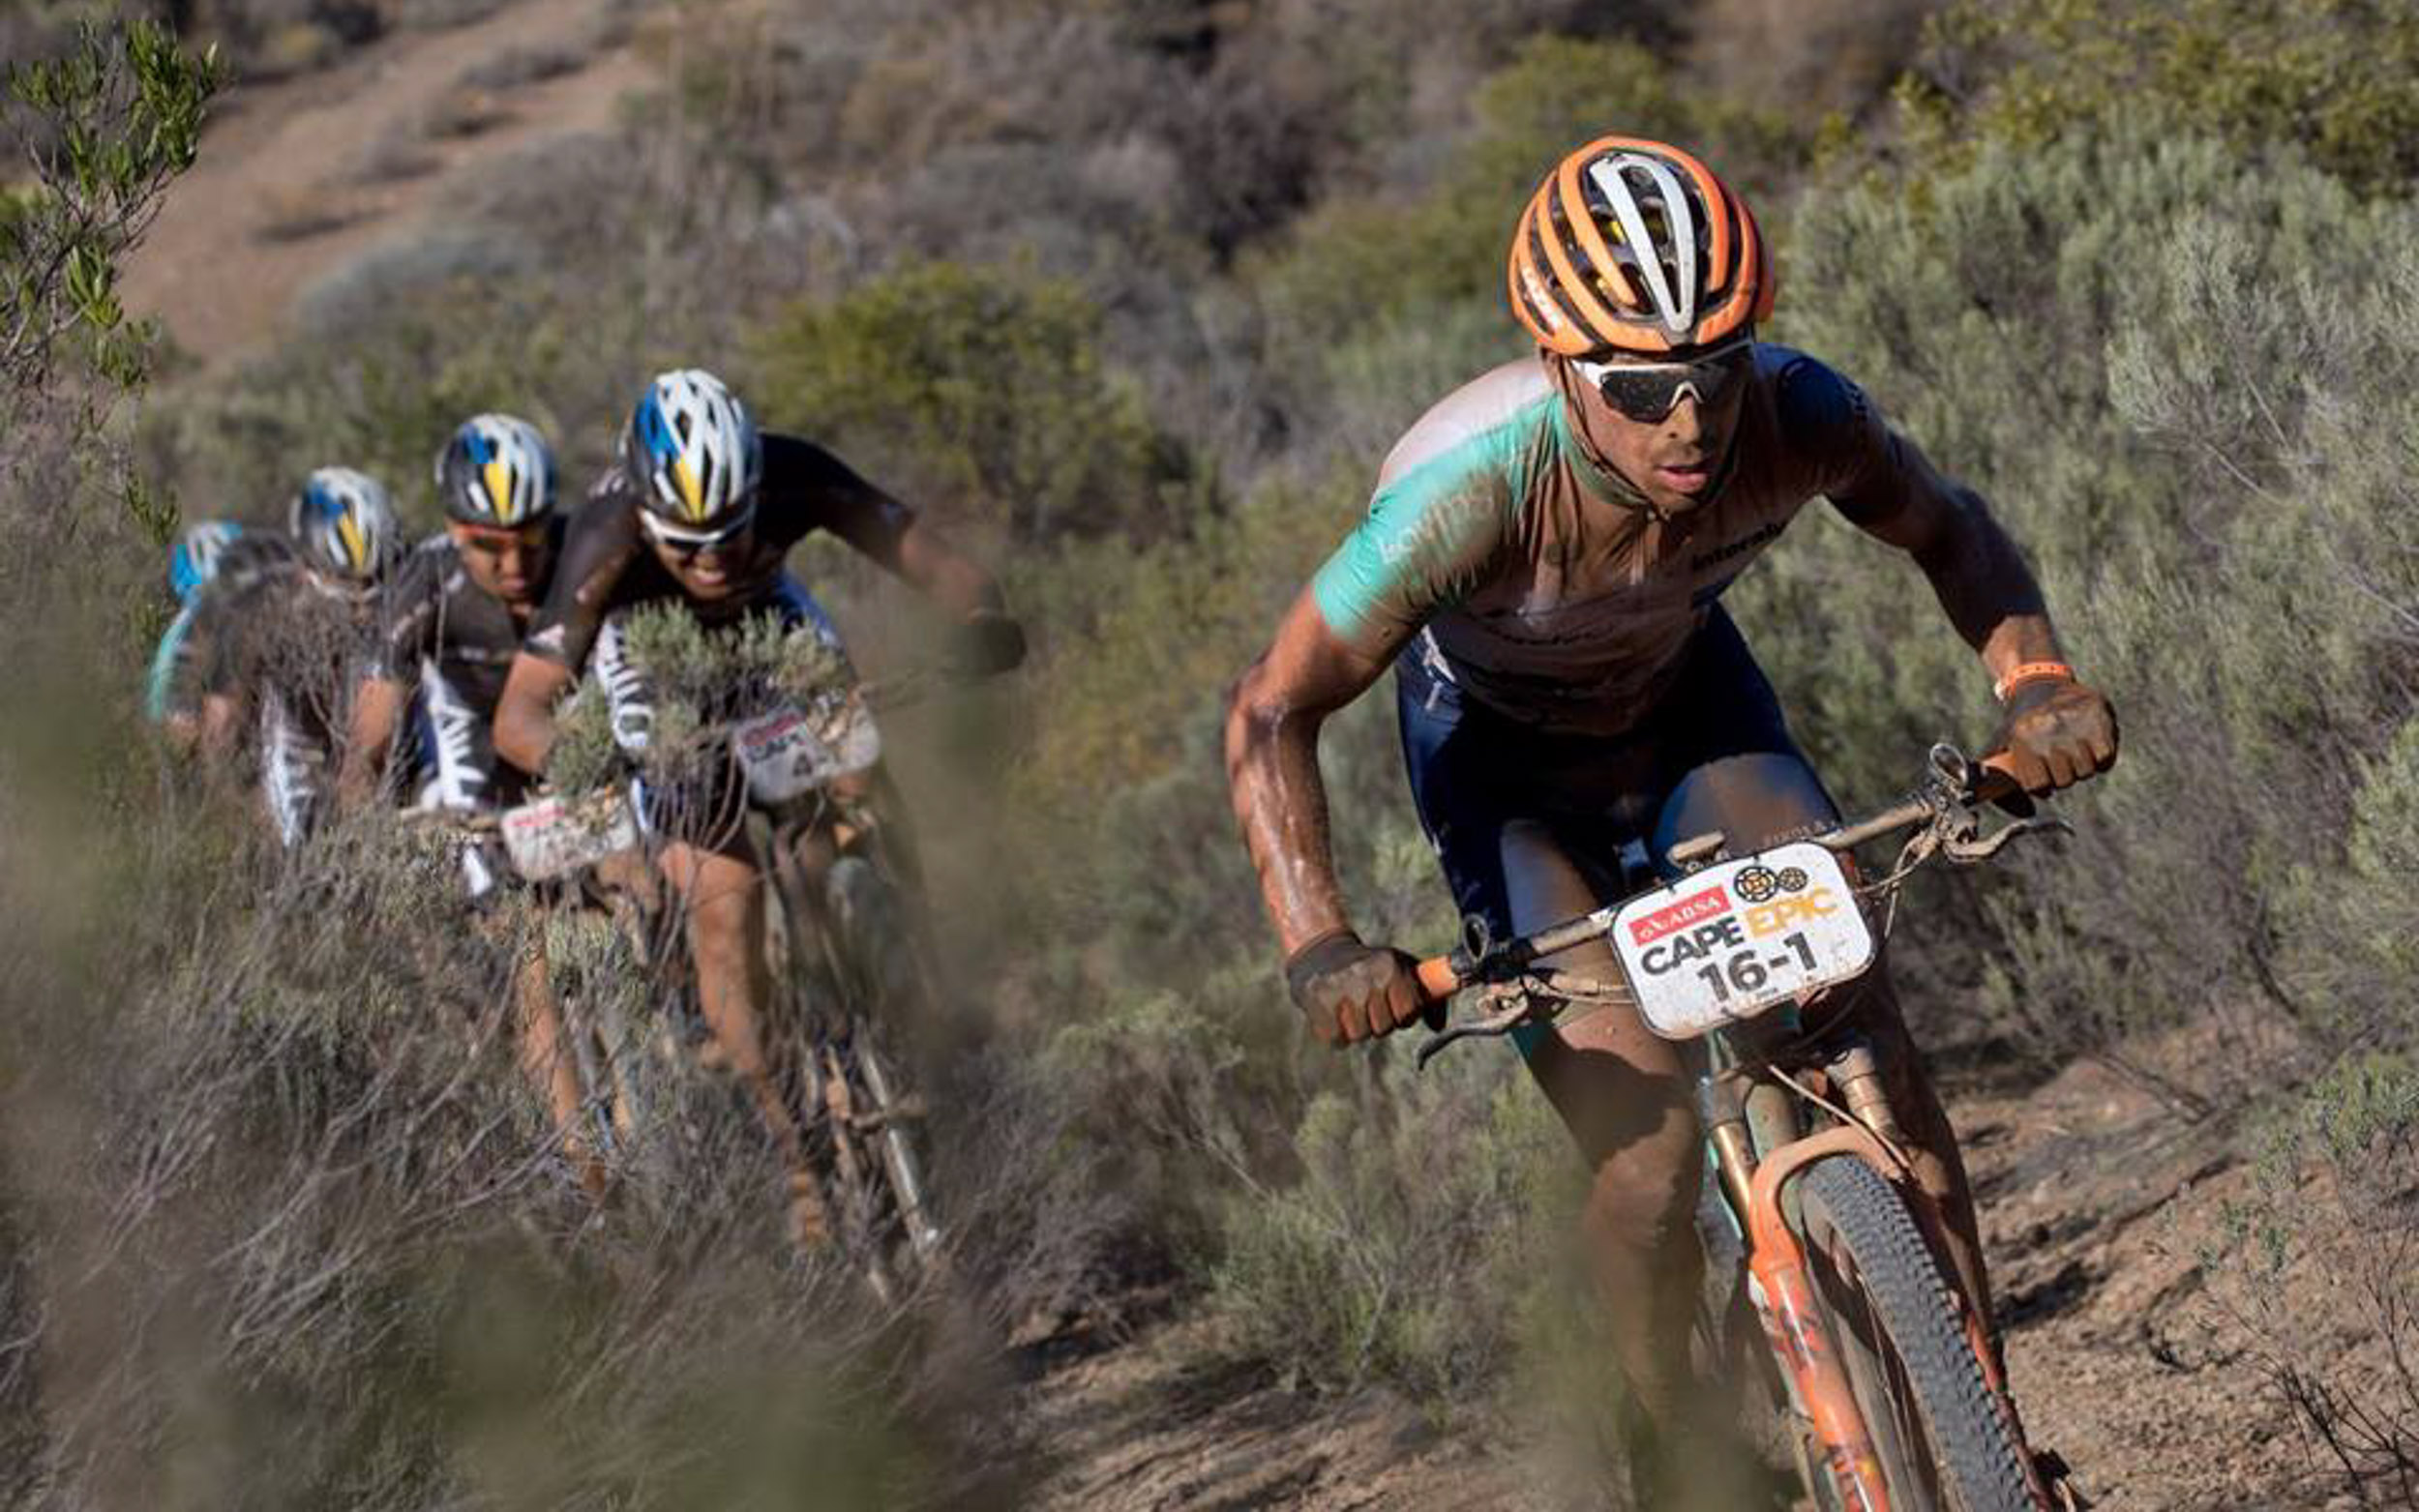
(1647, 392)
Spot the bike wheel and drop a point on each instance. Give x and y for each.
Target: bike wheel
(840, 953)
(1938, 1429)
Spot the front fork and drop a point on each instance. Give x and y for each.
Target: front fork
(1753, 1131)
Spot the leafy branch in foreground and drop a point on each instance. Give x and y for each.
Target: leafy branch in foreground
(106, 126)
(696, 678)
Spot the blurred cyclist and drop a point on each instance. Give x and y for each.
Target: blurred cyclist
(449, 624)
(195, 562)
(455, 615)
(278, 649)
(700, 510)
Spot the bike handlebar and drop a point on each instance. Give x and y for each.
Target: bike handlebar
(1989, 781)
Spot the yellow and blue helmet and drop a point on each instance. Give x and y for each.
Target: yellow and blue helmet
(497, 470)
(693, 450)
(195, 558)
(345, 524)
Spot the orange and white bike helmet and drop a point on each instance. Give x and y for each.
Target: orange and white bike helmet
(1633, 245)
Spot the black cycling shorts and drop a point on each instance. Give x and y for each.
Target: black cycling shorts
(1613, 806)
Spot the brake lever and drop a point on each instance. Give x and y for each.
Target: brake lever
(1967, 846)
(1494, 1025)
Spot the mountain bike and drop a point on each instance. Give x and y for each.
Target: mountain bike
(847, 959)
(1893, 1394)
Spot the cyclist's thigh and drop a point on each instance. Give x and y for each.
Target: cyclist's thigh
(1616, 1086)
(1754, 799)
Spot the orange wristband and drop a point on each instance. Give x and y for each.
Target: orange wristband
(2030, 671)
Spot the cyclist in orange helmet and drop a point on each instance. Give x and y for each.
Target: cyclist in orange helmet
(1543, 565)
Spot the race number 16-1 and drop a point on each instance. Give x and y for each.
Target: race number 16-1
(1729, 941)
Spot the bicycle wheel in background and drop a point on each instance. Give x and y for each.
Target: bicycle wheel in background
(1943, 1441)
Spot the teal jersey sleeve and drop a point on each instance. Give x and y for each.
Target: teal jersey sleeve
(165, 664)
(1431, 533)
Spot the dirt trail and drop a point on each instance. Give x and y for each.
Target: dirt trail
(2095, 1203)
(297, 178)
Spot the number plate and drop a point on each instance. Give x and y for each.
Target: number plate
(792, 751)
(1729, 941)
(555, 836)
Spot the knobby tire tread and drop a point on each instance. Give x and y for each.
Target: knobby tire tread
(1920, 1313)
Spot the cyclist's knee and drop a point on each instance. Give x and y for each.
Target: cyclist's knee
(1643, 1198)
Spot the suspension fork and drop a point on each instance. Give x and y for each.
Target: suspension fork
(1754, 1128)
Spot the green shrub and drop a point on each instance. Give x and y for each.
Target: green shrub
(2328, 1216)
(2337, 77)
(1421, 1219)
(2171, 369)
(983, 390)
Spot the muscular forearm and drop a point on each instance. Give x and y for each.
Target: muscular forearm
(221, 718)
(525, 715)
(376, 708)
(1272, 771)
(525, 734)
(1989, 593)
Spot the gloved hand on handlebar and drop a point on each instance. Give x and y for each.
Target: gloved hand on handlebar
(988, 644)
(2056, 733)
(1354, 991)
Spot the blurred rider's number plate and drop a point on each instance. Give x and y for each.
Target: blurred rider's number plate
(784, 753)
(553, 836)
(1729, 941)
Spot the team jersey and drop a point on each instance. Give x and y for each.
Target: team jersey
(1540, 582)
(441, 630)
(290, 643)
(269, 626)
(432, 614)
(606, 564)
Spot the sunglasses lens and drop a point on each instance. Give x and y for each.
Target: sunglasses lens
(1643, 395)
(683, 543)
(1649, 392)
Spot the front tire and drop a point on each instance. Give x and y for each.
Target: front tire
(1944, 1441)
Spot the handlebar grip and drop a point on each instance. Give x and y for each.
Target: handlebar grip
(1439, 978)
(1997, 779)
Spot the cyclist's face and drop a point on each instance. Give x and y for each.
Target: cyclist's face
(1674, 458)
(510, 565)
(708, 572)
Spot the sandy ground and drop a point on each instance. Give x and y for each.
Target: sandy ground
(297, 178)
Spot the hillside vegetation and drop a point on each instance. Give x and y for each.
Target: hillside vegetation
(1133, 295)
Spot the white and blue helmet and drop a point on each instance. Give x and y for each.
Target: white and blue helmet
(345, 524)
(497, 470)
(693, 450)
(195, 558)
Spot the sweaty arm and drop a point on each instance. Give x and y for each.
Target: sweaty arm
(407, 632)
(887, 531)
(524, 716)
(1975, 569)
(2055, 731)
(1272, 719)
